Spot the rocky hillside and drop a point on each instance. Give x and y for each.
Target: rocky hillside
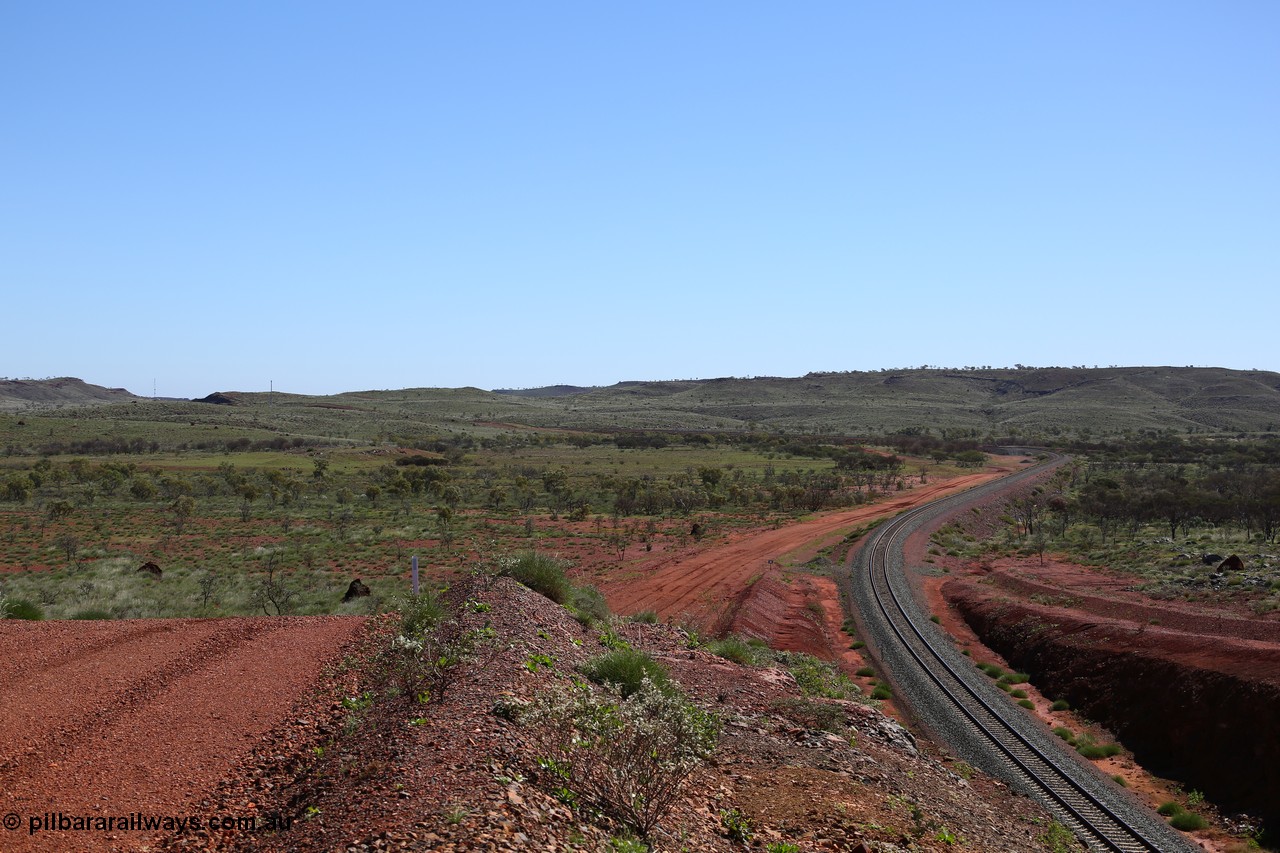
(973, 402)
(999, 401)
(360, 768)
(981, 402)
(19, 394)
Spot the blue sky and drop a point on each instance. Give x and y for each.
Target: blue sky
(343, 196)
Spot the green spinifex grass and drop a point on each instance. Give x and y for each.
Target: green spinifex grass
(114, 588)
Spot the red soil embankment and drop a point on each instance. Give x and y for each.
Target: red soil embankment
(789, 614)
(1195, 696)
(741, 585)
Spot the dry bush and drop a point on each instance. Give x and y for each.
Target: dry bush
(628, 758)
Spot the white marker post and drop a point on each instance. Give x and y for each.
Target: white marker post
(415, 574)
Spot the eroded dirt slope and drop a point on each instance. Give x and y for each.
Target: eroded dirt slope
(712, 587)
(1195, 695)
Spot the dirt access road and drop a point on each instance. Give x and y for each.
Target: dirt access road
(707, 585)
(137, 719)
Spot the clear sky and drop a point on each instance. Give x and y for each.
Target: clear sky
(338, 196)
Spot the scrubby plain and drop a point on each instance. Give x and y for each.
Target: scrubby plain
(245, 510)
(273, 504)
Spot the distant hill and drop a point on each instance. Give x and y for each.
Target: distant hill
(980, 403)
(987, 401)
(19, 394)
(546, 391)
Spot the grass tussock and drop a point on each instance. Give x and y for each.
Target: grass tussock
(738, 650)
(542, 573)
(626, 668)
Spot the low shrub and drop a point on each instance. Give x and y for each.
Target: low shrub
(93, 613)
(645, 617)
(588, 604)
(21, 608)
(419, 613)
(1027, 703)
(881, 692)
(1094, 751)
(1059, 839)
(627, 669)
(1188, 821)
(1060, 705)
(811, 714)
(1018, 694)
(866, 672)
(611, 639)
(736, 825)
(818, 677)
(1169, 808)
(439, 635)
(627, 756)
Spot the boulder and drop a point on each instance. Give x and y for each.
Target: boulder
(356, 589)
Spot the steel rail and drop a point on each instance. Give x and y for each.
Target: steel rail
(1093, 820)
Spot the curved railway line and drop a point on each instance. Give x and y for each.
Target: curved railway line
(959, 705)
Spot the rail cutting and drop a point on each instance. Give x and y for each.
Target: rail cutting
(1040, 773)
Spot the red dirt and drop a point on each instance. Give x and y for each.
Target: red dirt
(712, 586)
(1119, 640)
(454, 776)
(239, 717)
(142, 716)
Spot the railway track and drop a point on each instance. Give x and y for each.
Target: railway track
(980, 723)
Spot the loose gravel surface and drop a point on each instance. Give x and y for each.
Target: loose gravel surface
(135, 720)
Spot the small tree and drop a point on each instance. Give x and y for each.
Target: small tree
(208, 582)
(444, 523)
(56, 511)
(70, 546)
(182, 508)
(248, 494)
(142, 489)
(273, 592)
